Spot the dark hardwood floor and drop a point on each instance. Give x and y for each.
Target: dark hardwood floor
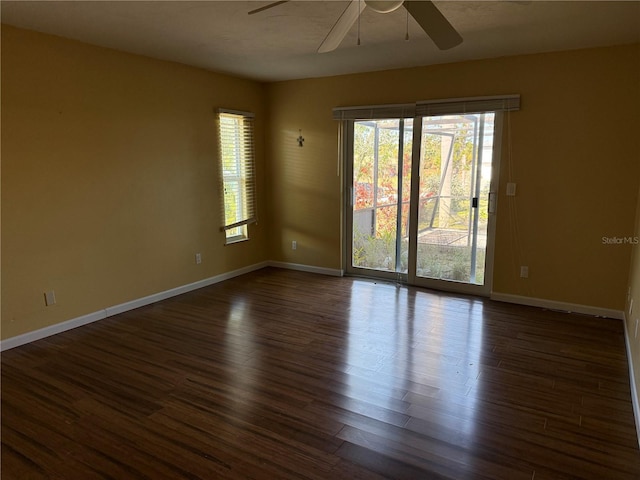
(288, 375)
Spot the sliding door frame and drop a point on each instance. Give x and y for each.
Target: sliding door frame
(449, 285)
(347, 152)
(499, 105)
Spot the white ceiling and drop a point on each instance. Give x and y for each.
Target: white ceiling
(281, 43)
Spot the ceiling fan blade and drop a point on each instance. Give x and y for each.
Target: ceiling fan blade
(434, 23)
(342, 26)
(266, 7)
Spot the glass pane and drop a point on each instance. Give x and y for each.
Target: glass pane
(406, 194)
(455, 169)
(236, 234)
(381, 192)
(237, 166)
(375, 187)
(232, 202)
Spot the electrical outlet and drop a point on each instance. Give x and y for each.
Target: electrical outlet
(524, 272)
(198, 258)
(511, 189)
(294, 245)
(49, 298)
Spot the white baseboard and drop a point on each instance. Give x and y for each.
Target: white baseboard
(334, 272)
(51, 330)
(156, 297)
(121, 308)
(632, 381)
(555, 305)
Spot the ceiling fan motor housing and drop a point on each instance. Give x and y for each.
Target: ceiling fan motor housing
(384, 6)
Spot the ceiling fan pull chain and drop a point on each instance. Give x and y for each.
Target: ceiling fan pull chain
(359, 15)
(406, 37)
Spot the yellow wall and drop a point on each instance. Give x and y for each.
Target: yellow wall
(574, 156)
(633, 316)
(109, 177)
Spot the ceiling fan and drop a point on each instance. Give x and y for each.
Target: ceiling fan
(435, 25)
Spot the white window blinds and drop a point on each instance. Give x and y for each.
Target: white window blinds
(451, 106)
(428, 108)
(375, 112)
(237, 172)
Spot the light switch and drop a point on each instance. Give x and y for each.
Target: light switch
(49, 298)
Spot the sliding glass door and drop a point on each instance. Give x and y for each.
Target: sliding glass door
(420, 199)
(453, 232)
(380, 191)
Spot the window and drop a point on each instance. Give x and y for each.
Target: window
(237, 173)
